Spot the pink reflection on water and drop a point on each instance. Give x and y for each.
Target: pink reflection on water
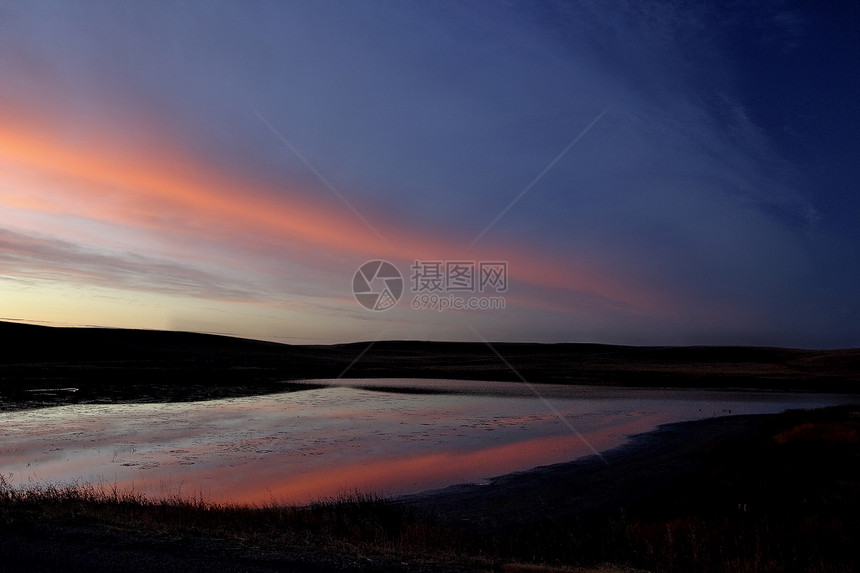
(306, 445)
(429, 471)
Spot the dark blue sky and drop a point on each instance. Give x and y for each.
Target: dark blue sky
(709, 195)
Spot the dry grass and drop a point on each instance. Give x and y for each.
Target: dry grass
(843, 432)
(353, 524)
(365, 526)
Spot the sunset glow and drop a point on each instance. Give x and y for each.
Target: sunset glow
(175, 185)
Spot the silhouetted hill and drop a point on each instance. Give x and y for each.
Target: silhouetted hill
(117, 364)
(25, 342)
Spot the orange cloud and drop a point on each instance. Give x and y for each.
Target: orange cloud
(157, 193)
(170, 194)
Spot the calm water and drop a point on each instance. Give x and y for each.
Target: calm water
(386, 436)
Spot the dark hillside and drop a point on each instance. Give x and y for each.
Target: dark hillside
(39, 365)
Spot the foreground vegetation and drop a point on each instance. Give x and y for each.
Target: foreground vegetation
(782, 498)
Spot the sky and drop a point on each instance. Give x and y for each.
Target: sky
(649, 173)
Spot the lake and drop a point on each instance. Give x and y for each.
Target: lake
(391, 436)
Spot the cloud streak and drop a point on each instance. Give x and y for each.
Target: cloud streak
(713, 202)
(173, 200)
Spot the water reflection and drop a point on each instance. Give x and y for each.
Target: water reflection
(387, 436)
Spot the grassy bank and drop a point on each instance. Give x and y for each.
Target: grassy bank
(780, 495)
(369, 532)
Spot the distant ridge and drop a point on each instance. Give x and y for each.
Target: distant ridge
(158, 365)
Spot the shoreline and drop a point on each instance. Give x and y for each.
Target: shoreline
(459, 450)
(696, 495)
(618, 480)
(116, 365)
(18, 400)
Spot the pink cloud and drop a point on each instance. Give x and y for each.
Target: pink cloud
(177, 200)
